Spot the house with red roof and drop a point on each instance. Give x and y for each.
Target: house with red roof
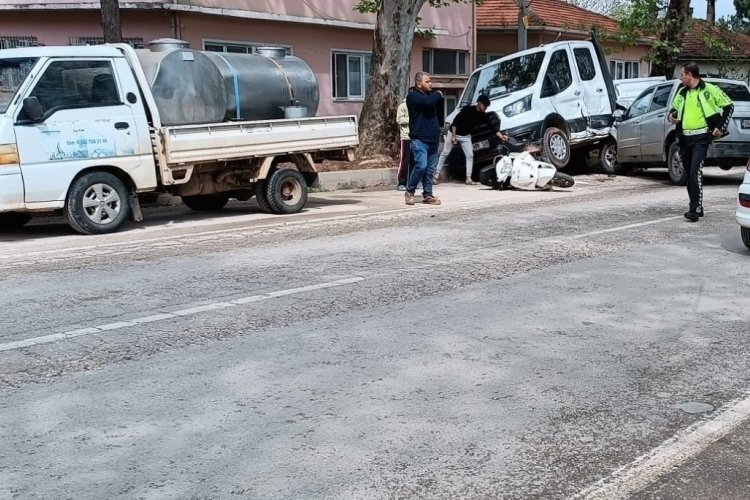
(549, 21)
(719, 52)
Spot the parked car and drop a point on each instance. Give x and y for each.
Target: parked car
(643, 136)
(743, 208)
(560, 93)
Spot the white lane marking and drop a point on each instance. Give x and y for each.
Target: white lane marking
(46, 339)
(644, 470)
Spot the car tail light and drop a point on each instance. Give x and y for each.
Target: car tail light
(745, 200)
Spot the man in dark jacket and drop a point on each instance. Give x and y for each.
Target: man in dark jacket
(424, 132)
(465, 121)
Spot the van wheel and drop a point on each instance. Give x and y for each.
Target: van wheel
(13, 220)
(556, 147)
(286, 191)
(677, 171)
(260, 195)
(206, 202)
(745, 231)
(97, 203)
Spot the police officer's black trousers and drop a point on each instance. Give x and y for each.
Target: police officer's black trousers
(693, 149)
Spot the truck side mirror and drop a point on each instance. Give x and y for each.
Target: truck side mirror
(33, 109)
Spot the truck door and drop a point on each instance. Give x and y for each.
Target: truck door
(85, 124)
(654, 124)
(592, 88)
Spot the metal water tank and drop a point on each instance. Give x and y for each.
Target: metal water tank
(193, 87)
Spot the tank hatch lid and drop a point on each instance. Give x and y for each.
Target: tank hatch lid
(163, 44)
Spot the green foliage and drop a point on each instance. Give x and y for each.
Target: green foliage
(371, 6)
(721, 47)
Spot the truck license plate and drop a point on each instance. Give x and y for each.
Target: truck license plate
(485, 144)
(746, 123)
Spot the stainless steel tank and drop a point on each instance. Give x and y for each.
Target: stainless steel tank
(194, 87)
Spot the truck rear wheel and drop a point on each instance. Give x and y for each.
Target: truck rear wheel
(556, 147)
(13, 220)
(97, 203)
(286, 191)
(206, 202)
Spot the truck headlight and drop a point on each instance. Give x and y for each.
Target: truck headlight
(518, 107)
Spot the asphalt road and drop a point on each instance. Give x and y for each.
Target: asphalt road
(570, 344)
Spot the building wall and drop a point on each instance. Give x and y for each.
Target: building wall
(309, 40)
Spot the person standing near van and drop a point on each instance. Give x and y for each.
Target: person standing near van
(404, 154)
(460, 133)
(702, 112)
(424, 132)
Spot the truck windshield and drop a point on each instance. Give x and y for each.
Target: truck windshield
(12, 74)
(504, 77)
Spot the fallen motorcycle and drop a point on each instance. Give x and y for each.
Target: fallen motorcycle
(521, 170)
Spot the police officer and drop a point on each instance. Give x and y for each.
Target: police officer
(702, 112)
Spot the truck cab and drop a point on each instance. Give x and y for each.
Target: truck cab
(63, 113)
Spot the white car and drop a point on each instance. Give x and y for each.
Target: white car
(743, 208)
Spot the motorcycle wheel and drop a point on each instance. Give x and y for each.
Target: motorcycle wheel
(562, 180)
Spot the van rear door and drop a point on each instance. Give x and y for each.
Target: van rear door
(592, 86)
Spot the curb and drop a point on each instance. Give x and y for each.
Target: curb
(356, 179)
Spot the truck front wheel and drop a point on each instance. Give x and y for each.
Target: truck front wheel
(556, 147)
(286, 191)
(97, 203)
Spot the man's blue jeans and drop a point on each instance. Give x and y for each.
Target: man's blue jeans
(425, 161)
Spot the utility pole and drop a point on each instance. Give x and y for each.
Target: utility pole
(523, 22)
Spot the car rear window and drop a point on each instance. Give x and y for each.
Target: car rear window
(735, 91)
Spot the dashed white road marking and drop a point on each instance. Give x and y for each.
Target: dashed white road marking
(46, 339)
(644, 470)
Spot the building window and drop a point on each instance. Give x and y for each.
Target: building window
(350, 71)
(444, 62)
(484, 58)
(136, 43)
(13, 42)
(241, 47)
(625, 69)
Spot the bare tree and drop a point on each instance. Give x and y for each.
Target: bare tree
(612, 8)
(111, 24)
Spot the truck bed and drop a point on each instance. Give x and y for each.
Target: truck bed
(191, 144)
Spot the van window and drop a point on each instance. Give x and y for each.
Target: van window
(76, 84)
(585, 64)
(558, 77)
(501, 78)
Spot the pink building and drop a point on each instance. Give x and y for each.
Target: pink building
(329, 35)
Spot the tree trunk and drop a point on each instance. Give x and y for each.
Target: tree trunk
(111, 25)
(389, 77)
(668, 51)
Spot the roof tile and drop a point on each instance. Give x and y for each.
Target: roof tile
(547, 13)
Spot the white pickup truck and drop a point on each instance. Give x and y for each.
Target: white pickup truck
(82, 131)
